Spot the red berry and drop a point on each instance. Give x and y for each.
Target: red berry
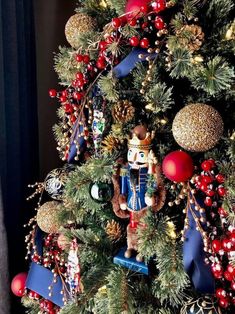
(86, 59)
(116, 22)
(220, 178)
(222, 212)
(63, 99)
(159, 23)
(227, 244)
(232, 237)
(224, 303)
(144, 43)
(80, 83)
(64, 93)
(218, 274)
(208, 201)
(144, 25)
(79, 58)
(231, 269)
(206, 165)
(103, 45)
(31, 294)
(220, 293)
(49, 305)
(221, 191)
(233, 285)
(210, 193)
(68, 109)
(73, 118)
(216, 245)
(228, 276)
(134, 41)
(77, 95)
(52, 93)
(36, 296)
(80, 76)
(203, 187)
(132, 22)
(101, 64)
(35, 258)
(159, 5)
(207, 179)
(90, 67)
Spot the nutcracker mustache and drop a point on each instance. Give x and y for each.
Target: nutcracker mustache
(134, 176)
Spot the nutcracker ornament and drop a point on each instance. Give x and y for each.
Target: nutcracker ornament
(137, 186)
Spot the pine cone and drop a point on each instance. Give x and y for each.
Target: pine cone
(123, 111)
(113, 230)
(111, 143)
(191, 36)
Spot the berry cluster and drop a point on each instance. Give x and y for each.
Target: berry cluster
(46, 306)
(210, 184)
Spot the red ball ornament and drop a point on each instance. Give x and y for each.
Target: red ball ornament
(135, 7)
(18, 284)
(178, 166)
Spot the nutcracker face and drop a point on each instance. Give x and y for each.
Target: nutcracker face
(137, 158)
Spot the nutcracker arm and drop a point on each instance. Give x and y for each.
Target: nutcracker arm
(118, 199)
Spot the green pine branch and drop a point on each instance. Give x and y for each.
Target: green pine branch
(108, 85)
(181, 63)
(214, 77)
(159, 98)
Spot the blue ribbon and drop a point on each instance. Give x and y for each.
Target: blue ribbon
(129, 63)
(194, 255)
(40, 278)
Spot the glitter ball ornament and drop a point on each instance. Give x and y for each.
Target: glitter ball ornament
(54, 183)
(202, 305)
(197, 127)
(78, 24)
(47, 217)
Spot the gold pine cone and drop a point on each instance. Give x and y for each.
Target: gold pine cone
(191, 36)
(113, 230)
(111, 143)
(78, 24)
(123, 111)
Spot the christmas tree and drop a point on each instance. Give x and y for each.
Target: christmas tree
(141, 216)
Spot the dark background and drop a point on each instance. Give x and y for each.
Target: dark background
(30, 32)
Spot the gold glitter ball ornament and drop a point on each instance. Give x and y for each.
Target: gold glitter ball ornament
(78, 24)
(197, 127)
(47, 217)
